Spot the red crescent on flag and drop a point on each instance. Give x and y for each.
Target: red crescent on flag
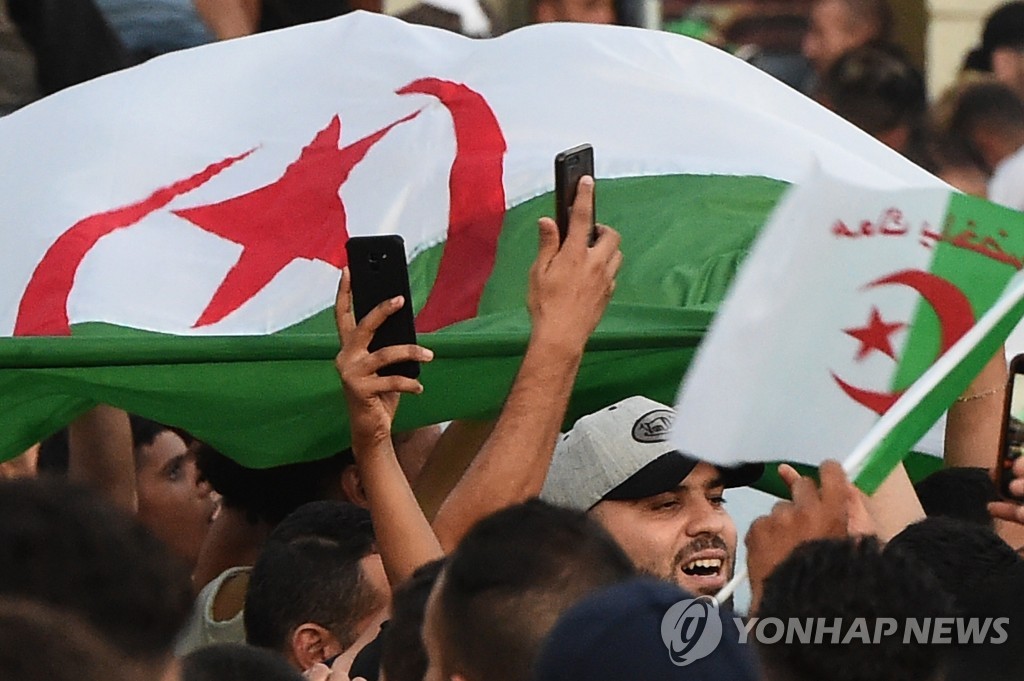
(43, 310)
(951, 306)
(476, 212)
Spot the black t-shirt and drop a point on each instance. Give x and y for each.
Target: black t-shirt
(367, 662)
(283, 13)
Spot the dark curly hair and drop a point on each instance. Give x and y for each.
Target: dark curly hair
(270, 494)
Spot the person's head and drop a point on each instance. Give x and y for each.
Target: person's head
(576, 11)
(267, 495)
(505, 585)
(173, 503)
(236, 662)
(999, 598)
(616, 634)
(665, 509)
(67, 548)
(317, 584)
(837, 26)
(853, 580)
(41, 643)
(961, 554)
(960, 493)
(1002, 46)
(989, 117)
(876, 88)
(403, 657)
(953, 161)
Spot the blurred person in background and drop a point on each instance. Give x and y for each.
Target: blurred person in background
(235, 18)
(17, 66)
(69, 548)
(574, 11)
(837, 26)
(989, 117)
(876, 88)
(70, 40)
(148, 28)
(42, 643)
(1001, 52)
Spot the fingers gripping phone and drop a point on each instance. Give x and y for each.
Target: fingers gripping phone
(570, 166)
(1011, 445)
(378, 272)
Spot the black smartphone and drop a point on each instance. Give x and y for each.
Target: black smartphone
(1011, 446)
(570, 166)
(378, 272)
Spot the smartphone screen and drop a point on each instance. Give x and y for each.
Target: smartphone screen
(570, 166)
(379, 272)
(1012, 446)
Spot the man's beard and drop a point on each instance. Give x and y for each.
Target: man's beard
(675, 573)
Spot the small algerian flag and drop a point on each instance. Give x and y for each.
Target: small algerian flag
(848, 298)
(171, 235)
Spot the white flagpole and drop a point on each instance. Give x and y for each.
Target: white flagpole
(931, 378)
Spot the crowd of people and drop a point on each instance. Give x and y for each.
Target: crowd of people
(510, 550)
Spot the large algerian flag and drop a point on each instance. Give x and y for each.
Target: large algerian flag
(858, 318)
(171, 235)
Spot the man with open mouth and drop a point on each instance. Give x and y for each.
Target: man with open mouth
(665, 509)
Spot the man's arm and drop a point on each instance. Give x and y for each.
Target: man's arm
(453, 453)
(100, 455)
(975, 419)
(973, 431)
(404, 537)
(570, 287)
(894, 505)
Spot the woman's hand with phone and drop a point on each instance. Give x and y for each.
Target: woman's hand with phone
(372, 399)
(1008, 510)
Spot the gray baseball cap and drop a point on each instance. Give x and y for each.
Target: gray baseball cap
(621, 452)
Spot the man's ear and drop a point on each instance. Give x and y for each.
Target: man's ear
(312, 643)
(352, 486)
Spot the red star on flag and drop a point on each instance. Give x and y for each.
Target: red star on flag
(299, 216)
(875, 335)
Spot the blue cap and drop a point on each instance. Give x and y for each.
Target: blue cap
(645, 629)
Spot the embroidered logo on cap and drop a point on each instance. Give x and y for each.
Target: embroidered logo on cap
(653, 426)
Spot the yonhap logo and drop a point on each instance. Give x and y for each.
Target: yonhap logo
(691, 630)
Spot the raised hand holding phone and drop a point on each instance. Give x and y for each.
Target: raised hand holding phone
(571, 283)
(379, 273)
(372, 397)
(571, 166)
(404, 536)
